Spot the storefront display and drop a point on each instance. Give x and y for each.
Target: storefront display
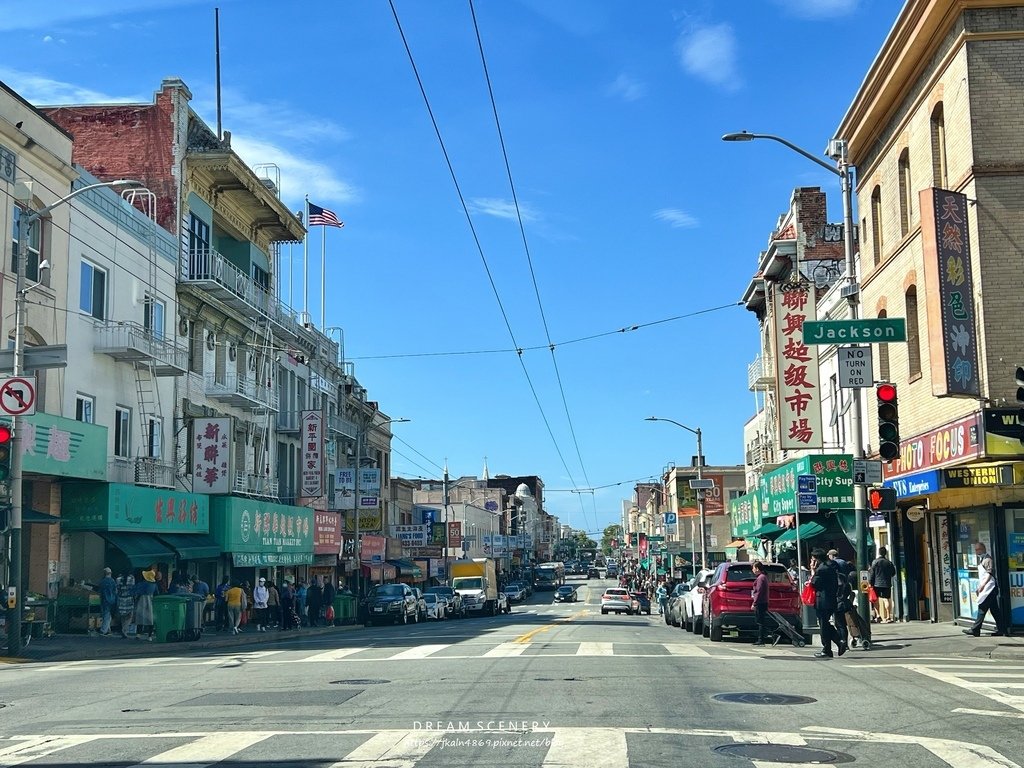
(970, 526)
(1015, 558)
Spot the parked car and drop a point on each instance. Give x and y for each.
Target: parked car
(643, 602)
(618, 600)
(692, 603)
(421, 602)
(515, 592)
(565, 594)
(392, 602)
(674, 604)
(727, 604)
(437, 606)
(504, 606)
(454, 599)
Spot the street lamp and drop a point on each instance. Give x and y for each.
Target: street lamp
(26, 218)
(700, 491)
(838, 151)
(360, 436)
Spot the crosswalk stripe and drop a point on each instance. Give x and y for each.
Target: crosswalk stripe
(34, 747)
(602, 748)
(395, 749)
(595, 649)
(419, 652)
(507, 649)
(333, 655)
(206, 751)
(682, 649)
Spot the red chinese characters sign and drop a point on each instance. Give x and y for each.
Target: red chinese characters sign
(211, 455)
(796, 368)
(326, 533)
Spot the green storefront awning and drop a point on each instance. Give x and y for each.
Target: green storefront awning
(38, 518)
(767, 531)
(807, 531)
(407, 568)
(141, 549)
(192, 546)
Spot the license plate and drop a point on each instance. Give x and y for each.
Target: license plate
(378, 610)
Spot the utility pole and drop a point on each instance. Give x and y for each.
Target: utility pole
(447, 501)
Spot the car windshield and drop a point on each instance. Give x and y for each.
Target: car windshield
(469, 583)
(430, 598)
(387, 590)
(565, 589)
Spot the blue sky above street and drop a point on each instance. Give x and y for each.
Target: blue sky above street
(634, 210)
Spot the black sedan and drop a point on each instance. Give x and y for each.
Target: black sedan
(644, 600)
(566, 594)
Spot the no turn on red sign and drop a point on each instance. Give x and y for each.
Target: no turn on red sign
(18, 395)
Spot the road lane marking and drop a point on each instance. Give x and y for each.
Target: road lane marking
(336, 655)
(506, 649)
(419, 652)
(592, 747)
(990, 713)
(395, 749)
(34, 747)
(982, 689)
(595, 649)
(206, 751)
(684, 649)
(525, 638)
(956, 753)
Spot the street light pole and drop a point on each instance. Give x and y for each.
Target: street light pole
(700, 491)
(839, 151)
(26, 219)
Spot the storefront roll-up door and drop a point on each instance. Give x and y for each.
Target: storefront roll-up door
(192, 546)
(140, 549)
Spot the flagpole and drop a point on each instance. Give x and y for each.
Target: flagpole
(305, 266)
(323, 278)
(291, 275)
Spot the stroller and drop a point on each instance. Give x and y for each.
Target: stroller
(860, 630)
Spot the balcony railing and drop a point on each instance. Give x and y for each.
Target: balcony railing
(760, 373)
(288, 421)
(141, 471)
(256, 485)
(342, 426)
(241, 391)
(132, 342)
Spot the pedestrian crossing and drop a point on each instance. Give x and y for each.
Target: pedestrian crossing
(530, 745)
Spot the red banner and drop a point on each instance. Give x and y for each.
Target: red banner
(455, 534)
(326, 533)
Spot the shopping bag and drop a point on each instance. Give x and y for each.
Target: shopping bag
(329, 614)
(809, 595)
(872, 595)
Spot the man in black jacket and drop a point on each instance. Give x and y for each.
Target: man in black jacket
(826, 586)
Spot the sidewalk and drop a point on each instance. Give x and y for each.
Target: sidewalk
(922, 638)
(96, 646)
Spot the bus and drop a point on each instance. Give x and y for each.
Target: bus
(549, 576)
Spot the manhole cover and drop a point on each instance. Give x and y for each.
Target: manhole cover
(359, 681)
(777, 699)
(783, 753)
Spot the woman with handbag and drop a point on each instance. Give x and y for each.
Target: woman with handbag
(880, 577)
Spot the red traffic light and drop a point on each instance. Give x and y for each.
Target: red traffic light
(5, 434)
(886, 393)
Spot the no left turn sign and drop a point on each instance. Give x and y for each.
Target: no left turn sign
(18, 395)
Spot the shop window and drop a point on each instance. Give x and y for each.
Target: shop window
(969, 528)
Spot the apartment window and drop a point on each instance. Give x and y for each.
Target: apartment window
(92, 297)
(122, 432)
(198, 235)
(906, 201)
(939, 172)
(153, 316)
(883, 356)
(913, 334)
(155, 449)
(262, 278)
(876, 223)
(195, 347)
(85, 408)
(34, 246)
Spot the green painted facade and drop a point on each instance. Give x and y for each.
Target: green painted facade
(122, 507)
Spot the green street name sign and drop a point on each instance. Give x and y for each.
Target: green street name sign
(875, 331)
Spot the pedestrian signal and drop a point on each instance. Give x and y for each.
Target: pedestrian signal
(882, 499)
(888, 422)
(6, 436)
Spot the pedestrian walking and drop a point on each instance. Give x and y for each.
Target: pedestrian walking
(844, 602)
(880, 577)
(288, 617)
(327, 598)
(145, 589)
(300, 602)
(988, 595)
(108, 600)
(273, 605)
(125, 601)
(314, 594)
(826, 586)
(260, 597)
(220, 606)
(236, 603)
(759, 598)
(662, 599)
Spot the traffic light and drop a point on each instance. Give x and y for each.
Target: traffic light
(5, 452)
(1020, 400)
(888, 422)
(882, 499)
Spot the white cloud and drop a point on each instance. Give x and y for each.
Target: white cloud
(501, 209)
(47, 39)
(709, 52)
(299, 174)
(819, 9)
(628, 88)
(676, 218)
(41, 90)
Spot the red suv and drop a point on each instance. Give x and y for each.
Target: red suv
(728, 605)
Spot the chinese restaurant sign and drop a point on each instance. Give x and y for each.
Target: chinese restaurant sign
(53, 445)
(948, 278)
(121, 507)
(211, 455)
(796, 368)
(326, 533)
(312, 447)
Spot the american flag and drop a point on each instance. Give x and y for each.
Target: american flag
(321, 217)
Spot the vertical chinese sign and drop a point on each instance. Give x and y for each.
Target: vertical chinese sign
(947, 274)
(211, 455)
(796, 368)
(312, 426)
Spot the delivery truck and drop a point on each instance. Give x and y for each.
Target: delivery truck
(477, 582)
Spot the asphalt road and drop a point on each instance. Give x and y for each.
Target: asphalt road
(549, 685)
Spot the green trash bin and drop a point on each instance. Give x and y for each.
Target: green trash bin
(169, 617)
(344, 609)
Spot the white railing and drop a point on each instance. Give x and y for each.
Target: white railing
(232, 384)
(256, 485)
(759, 372)
(141, 471)
(342, 426)
(126, 335)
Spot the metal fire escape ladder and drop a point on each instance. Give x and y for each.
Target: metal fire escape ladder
(261, 366)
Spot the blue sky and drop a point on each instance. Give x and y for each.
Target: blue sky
(634, 210)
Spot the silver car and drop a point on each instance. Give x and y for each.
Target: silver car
(617, 600)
